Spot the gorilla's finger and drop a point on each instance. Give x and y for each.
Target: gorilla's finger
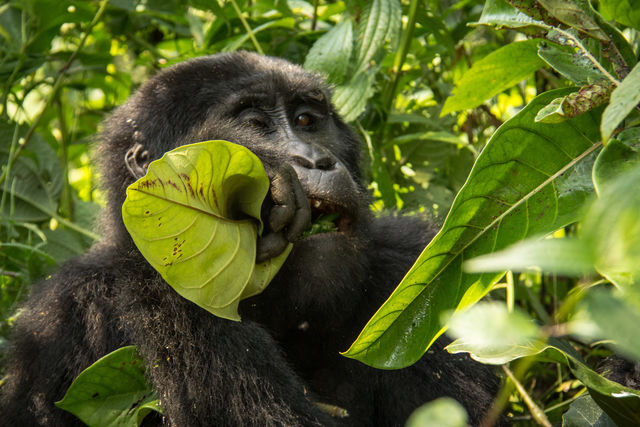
(269, 246)
(282, 194)
(302, 217)
(280, 216)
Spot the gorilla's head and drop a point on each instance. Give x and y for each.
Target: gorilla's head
(281, 113)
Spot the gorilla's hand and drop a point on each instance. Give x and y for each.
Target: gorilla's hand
(286, 213)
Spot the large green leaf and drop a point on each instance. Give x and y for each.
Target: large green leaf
(195, 216)
(112, 392)
(624, 98)
(494, 73)
(530, 179)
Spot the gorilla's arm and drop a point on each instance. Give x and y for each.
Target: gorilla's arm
(211, 370)
(205, 369)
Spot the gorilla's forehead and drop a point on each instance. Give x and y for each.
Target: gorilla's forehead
(227, 77)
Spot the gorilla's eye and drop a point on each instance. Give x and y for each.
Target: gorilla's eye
(303, 120)
(254, 119)
(255, 123)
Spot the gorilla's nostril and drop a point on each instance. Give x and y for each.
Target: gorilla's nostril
(325, 164)
(304, 162)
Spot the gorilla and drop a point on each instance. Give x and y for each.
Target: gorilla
(281, 363)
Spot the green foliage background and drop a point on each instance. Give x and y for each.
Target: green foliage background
(64, 65)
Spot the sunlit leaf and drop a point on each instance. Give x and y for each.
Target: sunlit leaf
(623, 99)
(530, 179)
(562, 256)
(442, 412)
(492, 334)
(112, 392)
(494, 73)
(195, 217)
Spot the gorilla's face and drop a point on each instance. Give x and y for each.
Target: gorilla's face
(282, 114)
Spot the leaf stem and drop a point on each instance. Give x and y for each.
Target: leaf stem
(537, 413)
(247, 28)
(401, 56)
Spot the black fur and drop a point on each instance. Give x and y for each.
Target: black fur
(272, 367)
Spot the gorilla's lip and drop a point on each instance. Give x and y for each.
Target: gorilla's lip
(321, 206)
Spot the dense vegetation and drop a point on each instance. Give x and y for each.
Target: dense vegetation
(514, 120)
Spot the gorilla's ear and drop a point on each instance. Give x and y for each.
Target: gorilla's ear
(136, 159)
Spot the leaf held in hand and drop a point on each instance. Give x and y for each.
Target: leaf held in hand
(195, 216)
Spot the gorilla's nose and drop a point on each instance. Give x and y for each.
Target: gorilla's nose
(310, 157)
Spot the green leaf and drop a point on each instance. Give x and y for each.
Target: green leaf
(379, 24)
(529, 180)
(561, 256)
(501, 14)
(619, 156)
(351, 99)
(626, 12)
(569, 63)
(442, 412)
(568, 12)
(612, 226)
(492, 334)
(194, 216)
(584, 412)
(586, 99)
(494, 73)
(331, 53)
(623, 100)
(611, 316)
(111, 392)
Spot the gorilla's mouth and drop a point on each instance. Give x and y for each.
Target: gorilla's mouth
(328, 217)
